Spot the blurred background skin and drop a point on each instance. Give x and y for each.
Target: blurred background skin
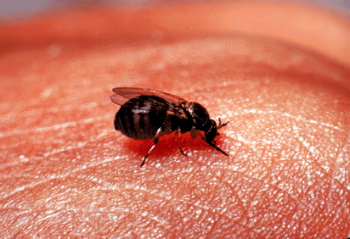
(66, 172)
(19, 8)
(261, 24)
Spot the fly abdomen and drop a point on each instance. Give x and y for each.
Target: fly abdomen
(141, 117)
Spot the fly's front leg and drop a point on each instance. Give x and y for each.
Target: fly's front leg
(155, 142)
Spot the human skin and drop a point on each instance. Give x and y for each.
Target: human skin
(66, 172)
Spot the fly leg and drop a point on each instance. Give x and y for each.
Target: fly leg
(212, 144)
(155, 142)
(178, 132)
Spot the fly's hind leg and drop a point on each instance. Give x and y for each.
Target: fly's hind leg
(155, 142)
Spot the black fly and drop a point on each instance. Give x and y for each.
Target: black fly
(148, 114)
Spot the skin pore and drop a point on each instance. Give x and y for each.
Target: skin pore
(66, 172)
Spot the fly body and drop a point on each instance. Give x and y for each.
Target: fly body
(148, 114)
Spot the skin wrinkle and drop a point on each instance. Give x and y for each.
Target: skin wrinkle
(63, 150)
(52, 178)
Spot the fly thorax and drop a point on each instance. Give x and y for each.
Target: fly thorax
(197, 114)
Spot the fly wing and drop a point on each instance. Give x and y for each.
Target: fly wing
(123, 94)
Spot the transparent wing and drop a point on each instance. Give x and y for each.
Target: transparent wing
(123, 94)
